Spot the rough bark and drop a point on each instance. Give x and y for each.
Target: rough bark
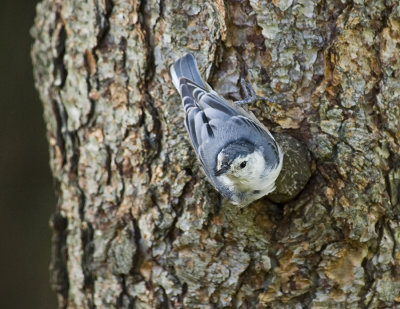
(137, 225)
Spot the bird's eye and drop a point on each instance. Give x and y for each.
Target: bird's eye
(243, 164)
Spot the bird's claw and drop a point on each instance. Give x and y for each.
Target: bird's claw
(252, 97)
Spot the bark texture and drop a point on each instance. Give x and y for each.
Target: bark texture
(137, 225)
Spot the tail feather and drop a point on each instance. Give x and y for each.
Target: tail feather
(186, 67)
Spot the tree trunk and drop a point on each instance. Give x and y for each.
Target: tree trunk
(138, 226)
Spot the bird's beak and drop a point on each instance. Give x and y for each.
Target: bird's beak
(222, 170)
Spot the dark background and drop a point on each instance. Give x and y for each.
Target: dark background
(26, 189)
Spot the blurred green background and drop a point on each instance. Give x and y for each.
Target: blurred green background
(26, 190)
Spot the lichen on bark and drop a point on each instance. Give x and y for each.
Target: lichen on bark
(137, 224)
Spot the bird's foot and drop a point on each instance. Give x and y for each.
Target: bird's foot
(252, 97)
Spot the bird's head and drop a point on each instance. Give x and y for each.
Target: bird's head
(241, 162)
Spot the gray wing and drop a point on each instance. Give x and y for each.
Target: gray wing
(211, 119)
(205, 112)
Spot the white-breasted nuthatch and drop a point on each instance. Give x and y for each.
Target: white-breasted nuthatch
(239, 155)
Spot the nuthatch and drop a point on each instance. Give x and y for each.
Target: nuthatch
(239, 155)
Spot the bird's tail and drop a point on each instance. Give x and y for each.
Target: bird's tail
(186, 67)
